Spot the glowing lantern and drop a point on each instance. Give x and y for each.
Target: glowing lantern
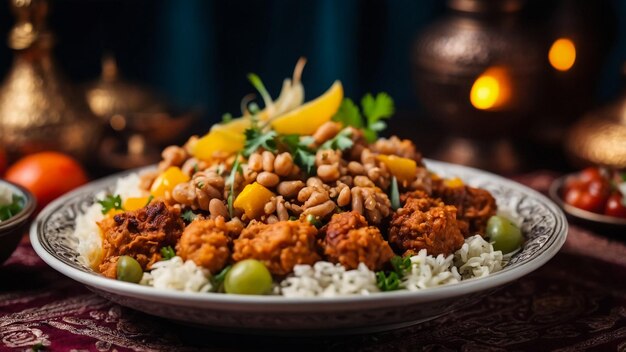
(562, 54)
(491, 90)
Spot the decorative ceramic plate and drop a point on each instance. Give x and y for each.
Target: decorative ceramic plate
(544, 227)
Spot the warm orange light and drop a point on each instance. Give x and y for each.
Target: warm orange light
(562, 54)
(491, 89)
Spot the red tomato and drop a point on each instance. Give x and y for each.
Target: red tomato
(615, 206)
(589, 174)
(580, 197)
(47, 175)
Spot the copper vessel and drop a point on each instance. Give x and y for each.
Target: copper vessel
(38, 110)
(477, 71)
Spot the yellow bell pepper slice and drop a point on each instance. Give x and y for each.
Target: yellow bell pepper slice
(135, 203)
(454, 182)
(306, 119)
(404, 169)
(218, 140)
(166, 181)
(252, 199)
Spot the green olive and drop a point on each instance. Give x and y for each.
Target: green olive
(128, 269)
(248, 277)
(504, 234)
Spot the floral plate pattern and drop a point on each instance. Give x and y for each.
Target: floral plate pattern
(544, 226)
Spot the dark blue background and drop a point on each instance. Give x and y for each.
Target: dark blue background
(198, 52)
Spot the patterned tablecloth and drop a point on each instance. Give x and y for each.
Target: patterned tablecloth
(575, 302)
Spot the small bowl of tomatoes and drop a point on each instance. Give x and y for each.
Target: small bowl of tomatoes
(594, 196)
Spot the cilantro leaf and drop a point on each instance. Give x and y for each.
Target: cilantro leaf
(374, 109)
(188, 215)
(255, 139)
(348, 114)
(167, 253)
(401, 264)
(387, 282)
(231, 180)
(111, 202)
(219, 278)
(395, 194)
(341, 141)
(303, 156)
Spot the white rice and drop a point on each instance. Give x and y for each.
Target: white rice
(326, 279)
(174, 274)
(476, 258)
(87, 231)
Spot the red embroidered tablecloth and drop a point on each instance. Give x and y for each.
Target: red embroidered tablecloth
(577, 301)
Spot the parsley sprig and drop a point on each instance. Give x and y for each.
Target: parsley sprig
(167, 253)
(341, 141)
(188, 216)
(374, 109)
(391, 281)
(111, 202)
(256, 138)
(302, 154)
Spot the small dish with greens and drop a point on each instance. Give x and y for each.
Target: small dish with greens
(16, 207)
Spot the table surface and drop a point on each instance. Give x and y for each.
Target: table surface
(577, 301)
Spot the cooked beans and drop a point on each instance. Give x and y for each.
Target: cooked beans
(363, 181)
(255, 162)
(289, 189)
(326, 131)
(283, 164)
(217, 208)
(357, 200)
(321, 210)
(328, 173)
(316, 198)
(356, 168)
(344, 197)
(268, 161)
(268, 179)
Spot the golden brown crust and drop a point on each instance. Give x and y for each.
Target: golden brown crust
(205, 242)
(474, 206)
(350, 241)
(139, 234)
(280, 246)
(425, 223)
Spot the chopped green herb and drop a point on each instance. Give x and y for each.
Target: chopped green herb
(188, 215)
(311, 219)
(374, 110)
(256, 138)
(195, 168)
(231, 180)
(293, 218)
(348, 114)
(387, 282)
(167, 253)
(227, 117)
(401, 264)
(38, 347)
(341, 141)
(111, 202)
(219, 278)
(303, 156)
(9, 210)
(395, 194)
(200, 184)
(149, 200)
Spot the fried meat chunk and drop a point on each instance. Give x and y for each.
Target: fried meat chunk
(350, 241)
(474, 206)
(205, 242)
(139, 234)
(280, 246)
(425, 223)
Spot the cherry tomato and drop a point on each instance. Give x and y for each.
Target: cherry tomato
(589, 190)
(47, 175)
(583, 199)
(590, 174)
(615, 206)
